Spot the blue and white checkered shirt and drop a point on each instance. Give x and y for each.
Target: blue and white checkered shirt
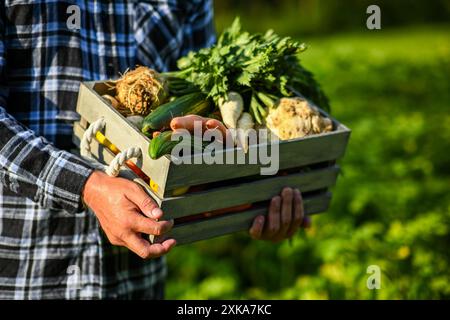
(49, 247)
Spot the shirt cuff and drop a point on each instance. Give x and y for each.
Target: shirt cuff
(68, 178)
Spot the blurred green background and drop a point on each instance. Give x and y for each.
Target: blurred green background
(391, 205)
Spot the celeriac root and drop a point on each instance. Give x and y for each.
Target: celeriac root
(141, 90)
(295, 117)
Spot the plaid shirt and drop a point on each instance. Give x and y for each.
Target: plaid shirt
(49, 247)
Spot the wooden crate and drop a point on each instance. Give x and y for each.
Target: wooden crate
(306, 163)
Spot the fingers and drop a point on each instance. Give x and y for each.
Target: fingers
(286, 212)
(145, 225)
(298, 213)
(145, 249)
(188, 122)
(286, 215)
(144, 202)
(257, 227)
(213, 124)
(273, 220)
(138, 245)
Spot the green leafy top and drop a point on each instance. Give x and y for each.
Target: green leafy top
(241, 61)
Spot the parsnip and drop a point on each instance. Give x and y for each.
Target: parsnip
(231, 109)
(244, 124)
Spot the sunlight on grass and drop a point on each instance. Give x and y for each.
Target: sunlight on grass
(391, 205)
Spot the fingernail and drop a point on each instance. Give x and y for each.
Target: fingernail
(212, 127)
(260, 220)
(157, 213)
(297, 191)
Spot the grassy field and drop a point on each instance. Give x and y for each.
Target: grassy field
(391, 205)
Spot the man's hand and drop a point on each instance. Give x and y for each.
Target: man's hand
(125, 212)
(285, 217)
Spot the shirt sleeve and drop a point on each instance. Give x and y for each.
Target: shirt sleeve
(199, 31)
(32, 167)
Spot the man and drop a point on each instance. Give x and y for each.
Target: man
(50, 246)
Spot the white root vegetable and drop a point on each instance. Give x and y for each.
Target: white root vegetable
(295, 118)
(231, 109)
(244, 125)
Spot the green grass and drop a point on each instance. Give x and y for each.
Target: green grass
(391, 205)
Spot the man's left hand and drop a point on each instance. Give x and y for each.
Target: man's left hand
(285, 217)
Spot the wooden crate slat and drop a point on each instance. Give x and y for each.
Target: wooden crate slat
(248, 192)
(218, 226)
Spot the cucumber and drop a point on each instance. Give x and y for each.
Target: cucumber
(192, 103)
(161, 145)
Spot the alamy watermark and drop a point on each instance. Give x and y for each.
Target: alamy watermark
(74, 20)
(258, 147)
(374, 280)
(374, 20)
(73, 281)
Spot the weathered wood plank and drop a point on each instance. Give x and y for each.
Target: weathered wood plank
(83, 123)
(247, 192)
(218, 226)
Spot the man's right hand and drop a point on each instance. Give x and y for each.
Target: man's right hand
(125, 212)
